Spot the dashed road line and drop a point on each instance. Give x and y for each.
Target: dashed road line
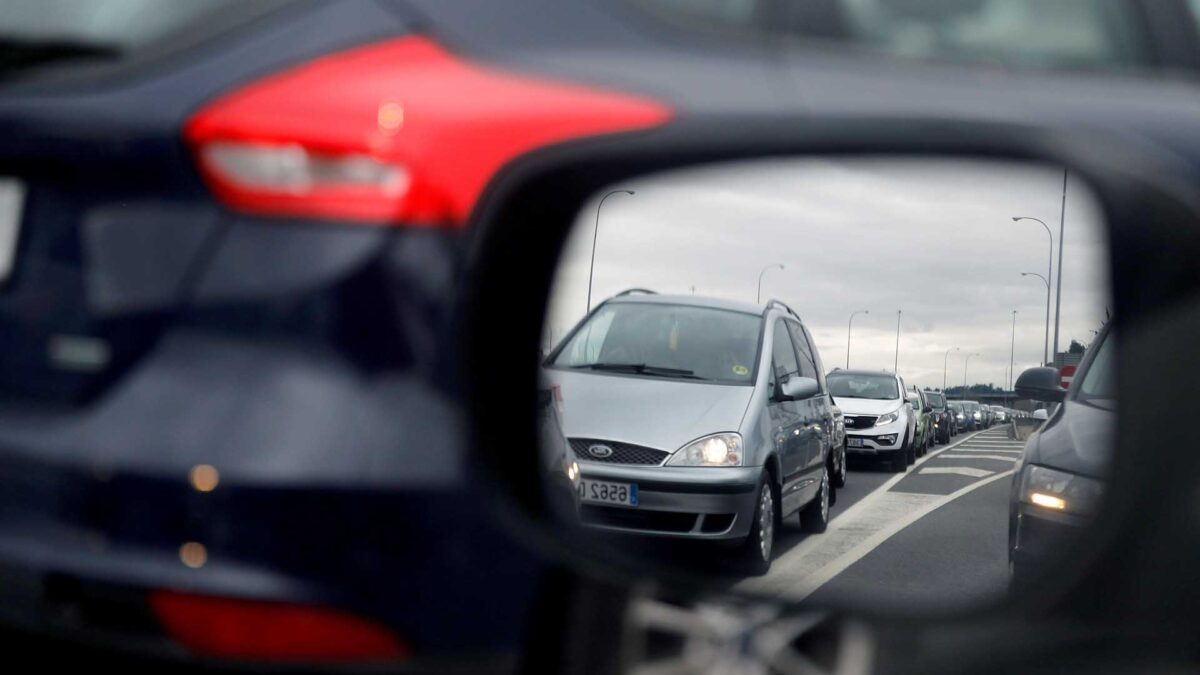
(959, 470)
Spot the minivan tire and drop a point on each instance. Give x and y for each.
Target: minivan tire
(839, 473)
(750, 553)
(814, 518)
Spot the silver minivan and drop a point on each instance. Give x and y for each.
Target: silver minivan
(698, 418)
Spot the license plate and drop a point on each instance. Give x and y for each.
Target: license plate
(602, 492)
(12, 198)
(854, 442)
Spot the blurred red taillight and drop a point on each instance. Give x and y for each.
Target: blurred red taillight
(252, 630)
(393, 132)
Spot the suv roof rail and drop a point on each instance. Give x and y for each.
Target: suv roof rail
(631, 291)
(779, 303)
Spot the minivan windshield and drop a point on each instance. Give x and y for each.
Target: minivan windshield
(935, 399)
(847, 385)
(666, 340)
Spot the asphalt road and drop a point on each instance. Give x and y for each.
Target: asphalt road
(934, 537)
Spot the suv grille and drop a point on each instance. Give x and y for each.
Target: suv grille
(860, 421)
(622, 453)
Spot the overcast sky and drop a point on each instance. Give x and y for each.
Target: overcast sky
(931, 237)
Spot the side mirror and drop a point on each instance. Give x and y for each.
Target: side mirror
(928, 408)
(797, 388)
(1040, 384)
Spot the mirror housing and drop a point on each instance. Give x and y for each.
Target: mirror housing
(928, 408)
(799, 388)
(1040, 384)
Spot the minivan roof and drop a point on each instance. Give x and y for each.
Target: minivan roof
(692, 301)
(860, 371)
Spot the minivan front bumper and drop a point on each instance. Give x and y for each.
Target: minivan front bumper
(682, 502)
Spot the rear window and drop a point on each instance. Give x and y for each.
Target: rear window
(1039, 34)
(121, 25)
(879, 387)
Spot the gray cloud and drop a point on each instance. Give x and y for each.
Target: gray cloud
(932, 237)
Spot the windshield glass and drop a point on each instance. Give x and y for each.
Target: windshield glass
(935, 399)
(846, 385)
(1099, 386)
(663, 340)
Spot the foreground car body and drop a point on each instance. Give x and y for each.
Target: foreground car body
(1065, 463)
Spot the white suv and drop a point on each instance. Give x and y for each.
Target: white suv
(879, 420)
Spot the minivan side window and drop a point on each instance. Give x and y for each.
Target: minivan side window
(785, 362)
(808, 366)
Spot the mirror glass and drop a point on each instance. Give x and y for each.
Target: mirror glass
(689, 307)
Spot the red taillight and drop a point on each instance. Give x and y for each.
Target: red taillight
(265, 631)
(398, 131)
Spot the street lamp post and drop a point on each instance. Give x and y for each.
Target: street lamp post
(966, 363)
(1058, 280)
(758, 297)
(595, 232)
(1049, 275)
(1046, 344)
(896, 365)
(945, 361)
(1012, 348)
(848, 326)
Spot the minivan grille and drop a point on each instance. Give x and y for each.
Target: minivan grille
(622, 453)
(860, 421)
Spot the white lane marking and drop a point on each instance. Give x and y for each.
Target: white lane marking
(1002, 458)
(959, 470)
(847, 545)
(859, 510)
(1003, 451)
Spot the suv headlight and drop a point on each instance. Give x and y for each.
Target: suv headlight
(1055, 490)
(887, 418)
(715, 450)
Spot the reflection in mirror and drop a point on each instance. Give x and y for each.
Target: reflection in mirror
(834, 378)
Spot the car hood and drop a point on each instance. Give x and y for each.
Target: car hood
(657, 413)
(1078, 440)
(865, 406)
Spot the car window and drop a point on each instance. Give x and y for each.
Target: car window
(854, 385)
(118, 24)
(936, 400)
(816, 358)
(808, 367)
(1099, 385)
(784, 355)
(665, 339)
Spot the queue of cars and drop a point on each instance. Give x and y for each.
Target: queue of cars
(706, 419)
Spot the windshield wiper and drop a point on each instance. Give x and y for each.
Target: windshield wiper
(642, 369)
(20, 53)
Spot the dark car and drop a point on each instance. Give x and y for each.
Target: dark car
(957, 417)
(1064, 465)
(943, 418)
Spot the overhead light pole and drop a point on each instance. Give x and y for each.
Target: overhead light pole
(896, 365)
(595, 232)
(849, 325)
(945, 361)
(966, 363)
(1012, 349)
(758, 297)
(1046, 342)
(1047, 278)
(1062, 218)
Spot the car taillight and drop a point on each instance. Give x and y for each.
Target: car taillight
(394, 132)
(252, 630)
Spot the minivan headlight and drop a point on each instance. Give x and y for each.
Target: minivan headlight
(715, 450)
(887, 418)
(1056, 490)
